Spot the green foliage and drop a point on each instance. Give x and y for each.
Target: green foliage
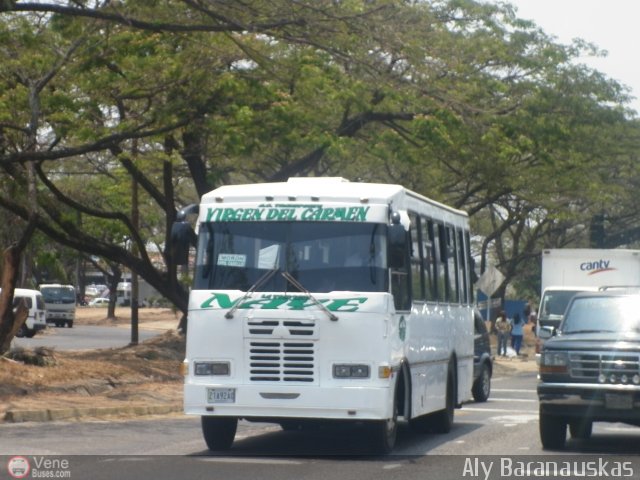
(459, 100)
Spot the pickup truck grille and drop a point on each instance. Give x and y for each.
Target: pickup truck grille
(610, 367)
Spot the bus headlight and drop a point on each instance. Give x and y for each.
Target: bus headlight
(212, 368)
(347, 370)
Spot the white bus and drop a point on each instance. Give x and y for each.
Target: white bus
(322, 300)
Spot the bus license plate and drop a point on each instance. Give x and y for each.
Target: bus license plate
(618, 401)
(221, 395)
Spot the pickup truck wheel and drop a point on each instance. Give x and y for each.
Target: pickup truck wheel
(581, 429)
(553, 431)
(219, 432)
(482, 386)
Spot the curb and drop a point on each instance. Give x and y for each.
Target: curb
(46, 415)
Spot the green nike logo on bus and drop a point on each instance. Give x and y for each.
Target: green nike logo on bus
(272, 302)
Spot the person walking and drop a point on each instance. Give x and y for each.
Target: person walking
(503, 327)
(517, 332)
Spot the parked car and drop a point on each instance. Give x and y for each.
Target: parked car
(99, 302)
(482, 360)
(590, 366)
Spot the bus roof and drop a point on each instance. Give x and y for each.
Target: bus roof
(319, 189)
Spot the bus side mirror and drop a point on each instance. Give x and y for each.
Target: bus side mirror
(397, 242)
(182, 236)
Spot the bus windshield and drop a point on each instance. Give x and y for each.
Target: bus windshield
(321, 256)
(58, 294)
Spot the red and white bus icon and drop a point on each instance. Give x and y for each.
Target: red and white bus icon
(18, 467)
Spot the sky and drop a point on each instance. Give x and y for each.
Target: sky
(612, 25)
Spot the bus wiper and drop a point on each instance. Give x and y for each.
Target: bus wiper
(263, 279)
(300, 287)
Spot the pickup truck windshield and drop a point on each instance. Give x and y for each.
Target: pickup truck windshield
(321, 256)
(554, 303)
(617, 314)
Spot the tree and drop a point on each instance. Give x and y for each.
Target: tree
(10, 321)
(456, 99)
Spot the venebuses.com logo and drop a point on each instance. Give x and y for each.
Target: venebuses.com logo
(38, 467)
(18, 467)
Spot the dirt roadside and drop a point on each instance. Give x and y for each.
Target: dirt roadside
(122, 382)
(132, 380)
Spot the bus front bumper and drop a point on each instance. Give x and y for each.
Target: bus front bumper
(308, 402)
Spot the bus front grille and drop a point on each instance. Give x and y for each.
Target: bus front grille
(281, 361)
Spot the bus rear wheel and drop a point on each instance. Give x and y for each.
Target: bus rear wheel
(219, 432)
(442, 421)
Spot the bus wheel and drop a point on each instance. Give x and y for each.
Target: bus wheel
(70, 324)
(442, 421)
(219, 432)
(385, 432)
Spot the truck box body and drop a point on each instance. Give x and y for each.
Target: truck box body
(570, 270)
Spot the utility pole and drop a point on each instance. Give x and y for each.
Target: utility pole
(134, 250)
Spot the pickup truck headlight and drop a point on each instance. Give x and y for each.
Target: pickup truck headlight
(554, 362)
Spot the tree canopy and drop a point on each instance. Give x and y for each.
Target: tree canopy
(459, 100)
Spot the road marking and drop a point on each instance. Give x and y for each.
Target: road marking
(528, 400)
(517, 390)
(497, 410)
(391, 466)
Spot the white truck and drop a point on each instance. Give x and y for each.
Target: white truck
(60, 303)
(567, 271)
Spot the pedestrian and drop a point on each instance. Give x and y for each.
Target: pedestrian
(517, 331)
(503, 327)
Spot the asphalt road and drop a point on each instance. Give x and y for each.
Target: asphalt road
(82, 337)
(503, 430)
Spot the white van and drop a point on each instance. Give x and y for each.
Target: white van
(37, 319)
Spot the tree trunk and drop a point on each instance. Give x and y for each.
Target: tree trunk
(10, 323)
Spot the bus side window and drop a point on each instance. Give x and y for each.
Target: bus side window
(452, 266)
(417, 280)
(429, 260)
(441, 261)
(462, 270)
(400, 268)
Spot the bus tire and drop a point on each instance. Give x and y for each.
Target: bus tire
(482, 386)
(70, 323)
(219, 432)
(442, 421)
(384, 433)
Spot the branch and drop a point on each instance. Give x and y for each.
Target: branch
(100, 144)
(226, 26)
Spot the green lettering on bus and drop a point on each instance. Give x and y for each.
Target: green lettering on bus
(345, 304)
(273, 302)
